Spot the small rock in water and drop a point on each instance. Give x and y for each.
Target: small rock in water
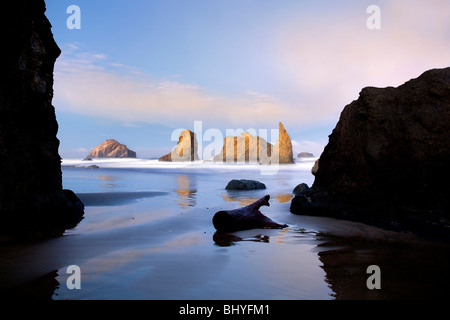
(305, 155)
(245, 185)
(92, 167)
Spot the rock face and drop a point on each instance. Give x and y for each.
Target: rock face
(251, 149)
(111, 149)
(32, 200)
(315, 167)
(387, 160)
(185, 150)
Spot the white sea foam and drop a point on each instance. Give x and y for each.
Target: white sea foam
(305, 164)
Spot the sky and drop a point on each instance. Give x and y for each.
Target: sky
(138, 70)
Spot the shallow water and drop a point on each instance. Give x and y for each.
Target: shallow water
(147, 234)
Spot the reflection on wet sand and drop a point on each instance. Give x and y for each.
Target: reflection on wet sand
(407, 271)
(405, 266)
(186, 191)
(227, 239)
(244, 201)
(108, 183)
(279, 236)
(115, 198)
(283, 198)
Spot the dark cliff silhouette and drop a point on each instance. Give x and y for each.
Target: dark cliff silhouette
(32, 200)
(387, 160)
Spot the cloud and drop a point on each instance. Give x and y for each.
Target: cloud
(74, 152)
(87, 83)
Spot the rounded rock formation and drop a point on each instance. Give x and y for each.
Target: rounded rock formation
(111, 149)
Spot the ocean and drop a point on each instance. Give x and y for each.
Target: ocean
(148, 235)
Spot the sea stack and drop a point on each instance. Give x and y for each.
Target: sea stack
(283, 147)
(111, 149)
(387, 160)
(32, 200)
(305, 155)
(253, 149)
(245, 148)
(185, 150)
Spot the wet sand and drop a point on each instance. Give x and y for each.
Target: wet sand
(137, 246)
(114, 198)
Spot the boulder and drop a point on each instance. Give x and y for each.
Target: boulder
(111, 149)
(386, 162)
(245, 185)
(185, 150)
(32, 201)
(302, 188)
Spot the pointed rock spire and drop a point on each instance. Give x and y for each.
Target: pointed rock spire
(283, 147)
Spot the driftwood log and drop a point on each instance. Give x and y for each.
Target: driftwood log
(245, 218)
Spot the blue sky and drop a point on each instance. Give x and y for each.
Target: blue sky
(138, 70)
